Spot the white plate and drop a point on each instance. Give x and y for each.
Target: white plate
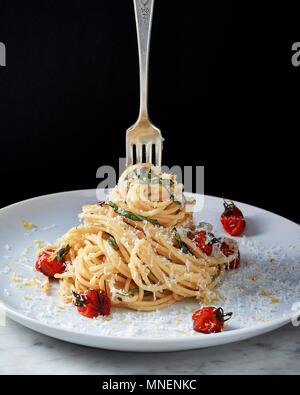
(270, 263)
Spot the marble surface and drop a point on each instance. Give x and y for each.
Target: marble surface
(23, 351)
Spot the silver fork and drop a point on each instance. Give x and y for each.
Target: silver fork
(143, 139)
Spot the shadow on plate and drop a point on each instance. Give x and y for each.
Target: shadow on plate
(255, 226)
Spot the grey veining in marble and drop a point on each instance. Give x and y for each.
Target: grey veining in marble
(23, 351)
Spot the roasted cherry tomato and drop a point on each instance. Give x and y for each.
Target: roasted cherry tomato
(205, 241)
(227, 251)
(233, 219)
(202, 244)
(92, 303)
(210, 320)
(50, 263)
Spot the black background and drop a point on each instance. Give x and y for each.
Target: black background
(222, 90)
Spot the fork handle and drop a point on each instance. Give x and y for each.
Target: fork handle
(143, 18)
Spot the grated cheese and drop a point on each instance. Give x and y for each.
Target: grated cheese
(28, 225)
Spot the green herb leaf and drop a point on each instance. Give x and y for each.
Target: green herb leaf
(63, 252)
(166, 181)
(181, 244)
(148, 293)
(174, 200)
(150, 178)
(129, 215)
(79, 299)
(133, 291)
(113, 205)
(112, 242)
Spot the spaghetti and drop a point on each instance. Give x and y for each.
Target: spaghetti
(139, 248)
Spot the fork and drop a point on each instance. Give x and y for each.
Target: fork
(143, 139)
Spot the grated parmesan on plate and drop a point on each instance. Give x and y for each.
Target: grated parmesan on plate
(265, 286)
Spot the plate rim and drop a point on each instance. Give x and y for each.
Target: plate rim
(234, 333)
(228, 336)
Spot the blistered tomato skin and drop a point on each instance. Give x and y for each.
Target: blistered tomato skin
(48, 265)
(233, 220)
(210, 320)
(235, 263)
(201, 240)
(92, 304)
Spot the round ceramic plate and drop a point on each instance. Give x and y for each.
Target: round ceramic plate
(262, 294)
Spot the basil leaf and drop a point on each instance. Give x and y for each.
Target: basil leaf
(63, 252)
(181, 244)
(149, 178)
(166, 181)
(174, 200)
(79, 300)
(113, 205)
(112, 242)
(134, 291)
(148, 293)
(129, 215)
